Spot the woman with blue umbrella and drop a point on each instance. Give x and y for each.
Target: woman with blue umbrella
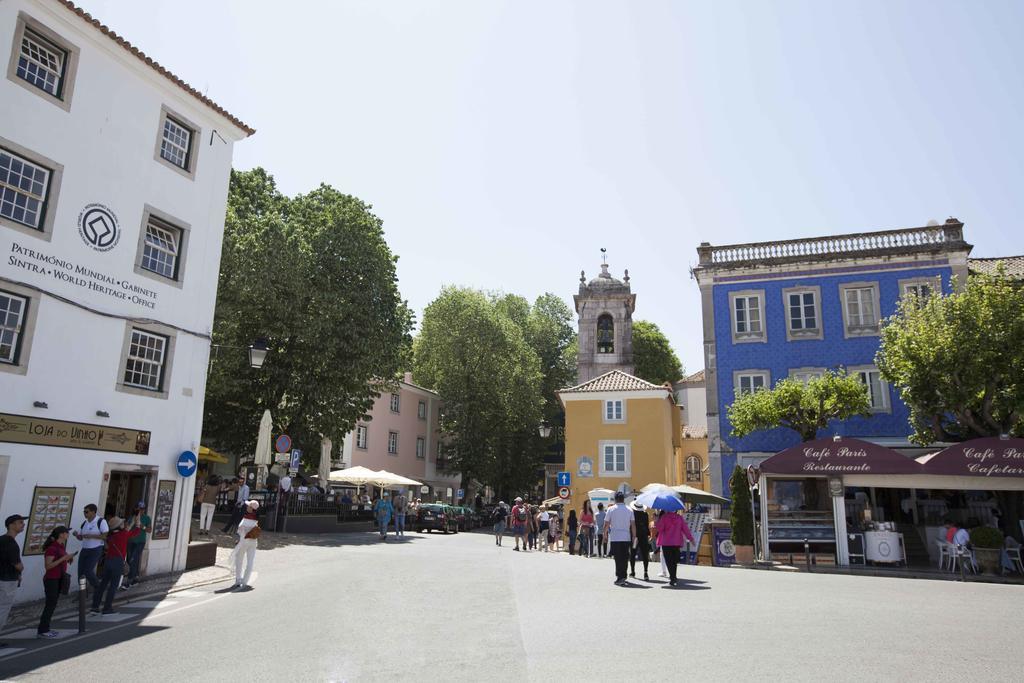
(671, 527)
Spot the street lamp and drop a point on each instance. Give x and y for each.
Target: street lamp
(544, 429)
(258, 353)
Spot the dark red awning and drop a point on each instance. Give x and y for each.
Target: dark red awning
(845, 456)
(988, 457)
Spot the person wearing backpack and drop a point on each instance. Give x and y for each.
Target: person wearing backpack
(113, 564)
(93, 535)
(520, 516)
(499, 516)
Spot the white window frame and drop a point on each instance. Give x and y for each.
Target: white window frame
(934, 283)
(43, 229)
(421, 410)
(396, 403)
(25, 328)
(617, 407)
(361, 437)
(860, 329)
(738, 375)
(161, 220)
(392, 442)
(627, 454)
(806, 374)
(860, 371)
(191, 154)
(793, 334)
(169, 336)
(52, 41)
(747, 336)
(421, 448)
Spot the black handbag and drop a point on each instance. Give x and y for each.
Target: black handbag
(65, 583)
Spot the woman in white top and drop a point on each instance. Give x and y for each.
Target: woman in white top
(245, 551)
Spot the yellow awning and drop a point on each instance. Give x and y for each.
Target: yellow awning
(211, 455)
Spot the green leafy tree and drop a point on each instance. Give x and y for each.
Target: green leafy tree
(806, 408)
(314, 276)
(958, 361)
(739, 514)
(653, 357)
(477, 357)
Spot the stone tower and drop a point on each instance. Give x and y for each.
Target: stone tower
(605, 307)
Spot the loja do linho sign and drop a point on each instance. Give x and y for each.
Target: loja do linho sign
(40, 432)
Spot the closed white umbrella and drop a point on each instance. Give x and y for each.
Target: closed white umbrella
(263, 456)
(325, 460)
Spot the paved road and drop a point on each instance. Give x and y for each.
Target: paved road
(458, 608)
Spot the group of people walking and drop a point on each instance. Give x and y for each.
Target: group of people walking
(627, 533)
(116, 543)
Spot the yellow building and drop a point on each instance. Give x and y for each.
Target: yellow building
(621, 433)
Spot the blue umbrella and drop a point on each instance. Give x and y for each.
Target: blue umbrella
(660, 500)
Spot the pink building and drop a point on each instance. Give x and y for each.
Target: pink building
(402, 436)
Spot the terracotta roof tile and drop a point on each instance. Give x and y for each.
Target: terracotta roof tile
(156, 67)
(695, 431)
(1013, 266)
(615, 380)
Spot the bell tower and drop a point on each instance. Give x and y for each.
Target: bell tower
(605, 308)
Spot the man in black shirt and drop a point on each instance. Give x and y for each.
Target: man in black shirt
(10, 566)
(643, 536)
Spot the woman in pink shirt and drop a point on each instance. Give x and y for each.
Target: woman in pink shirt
(671, 530)
(587, 530)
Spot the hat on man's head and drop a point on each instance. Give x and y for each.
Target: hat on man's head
(637, 505)
(619, 496)
(518, 499)
(12, 519)
(115, 522)
(254, 504)
(141, 505)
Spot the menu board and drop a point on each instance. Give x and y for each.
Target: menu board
(164, 509)
(51, 507)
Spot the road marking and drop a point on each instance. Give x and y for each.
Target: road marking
(8, 651)
(150, 604)
(79, 638)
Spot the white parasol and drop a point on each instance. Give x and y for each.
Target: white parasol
(325, 460)
(263, 456)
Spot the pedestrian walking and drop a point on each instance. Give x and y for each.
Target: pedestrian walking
(55, 578)
(10, 566)
(542, 521)
(401, 503)
(238, 510)
(137, 544)
(519, 517)
(599, 518)
(620, 530)
(245, 550)
(572, 526)
(382, 511)
(554, 531)
(587, 529)
(531, 526)
(208, 505)
(499, 517)
(93, 535)
(642, 548)
(114, 564)
(671, 530)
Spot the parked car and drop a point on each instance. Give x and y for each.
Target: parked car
(434, 516)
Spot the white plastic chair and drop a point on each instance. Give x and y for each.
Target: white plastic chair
(959, 554)
(1014, 554)
(945, 557)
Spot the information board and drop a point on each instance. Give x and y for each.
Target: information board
(51, 507)
(164, 509)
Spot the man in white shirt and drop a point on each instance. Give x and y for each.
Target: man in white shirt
(620, 530)
(93, 535)
(239, 509)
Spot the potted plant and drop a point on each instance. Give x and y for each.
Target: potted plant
(987, 544)
(740, 517)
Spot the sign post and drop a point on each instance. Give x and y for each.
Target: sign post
(186, 465)
(563, 479)
(293, 466)
(563, 493)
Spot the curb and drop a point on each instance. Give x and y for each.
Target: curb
(18, 624)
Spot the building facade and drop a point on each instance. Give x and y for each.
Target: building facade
(402, 435)
(605, 308)
(691, 397)
(113, 187)
(799, 307)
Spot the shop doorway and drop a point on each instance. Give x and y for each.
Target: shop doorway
(124, 491)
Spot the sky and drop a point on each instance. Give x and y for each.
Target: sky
(505, 143)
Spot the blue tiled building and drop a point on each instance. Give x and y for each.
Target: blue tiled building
(799, 307)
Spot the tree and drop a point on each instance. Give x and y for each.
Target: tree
(958, 360)
(314, 276)
(740, 516)
(653, 357)
(477, 357)
(806, 408)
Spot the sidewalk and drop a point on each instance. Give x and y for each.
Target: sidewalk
(27, 613)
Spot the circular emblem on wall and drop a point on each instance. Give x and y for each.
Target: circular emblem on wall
(98, 227)
(726, 548)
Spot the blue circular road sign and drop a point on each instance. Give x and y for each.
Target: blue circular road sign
(187, 463)
(283, 443)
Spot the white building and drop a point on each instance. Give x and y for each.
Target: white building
(113, 187)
